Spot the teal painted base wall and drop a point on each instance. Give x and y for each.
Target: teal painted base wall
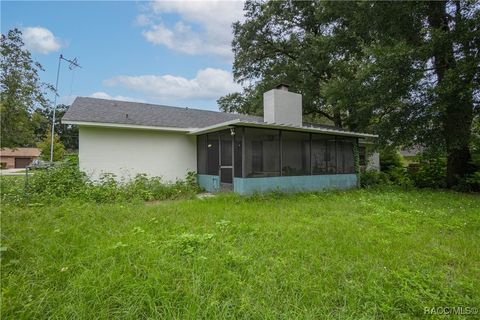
(294, 183)
(208, 182)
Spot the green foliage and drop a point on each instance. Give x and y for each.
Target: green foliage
(373, 178)
(385, 253)
(407, 71)
(65, 181)
(45, 147)
(42, 120)
(21, 91)
(392, 165)
(390, 159)
(431, 173)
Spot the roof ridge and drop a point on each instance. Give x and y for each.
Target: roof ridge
(162, 105)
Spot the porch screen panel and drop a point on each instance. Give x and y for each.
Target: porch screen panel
(262, 152)
(237, 153)
(331, 156)
(345, 159)
(212, 154)
(202, 154)
(295, 153)
(319, 154)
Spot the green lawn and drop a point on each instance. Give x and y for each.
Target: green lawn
(337, 255)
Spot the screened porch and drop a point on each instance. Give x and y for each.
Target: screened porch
(230, 156)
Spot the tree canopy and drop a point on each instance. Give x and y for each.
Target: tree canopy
(405, 70)
(21, 91)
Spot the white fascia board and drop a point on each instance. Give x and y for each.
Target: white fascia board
(308, 129)
(238, 122)
(126, 126)
(215, 127)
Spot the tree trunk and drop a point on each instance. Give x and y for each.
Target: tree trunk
(455, 103)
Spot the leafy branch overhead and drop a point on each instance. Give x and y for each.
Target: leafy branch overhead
(26, 113)
(405, 70)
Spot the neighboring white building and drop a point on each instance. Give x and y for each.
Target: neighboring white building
(240, 152)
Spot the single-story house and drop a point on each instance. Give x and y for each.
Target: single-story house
(18, 157)
(242, 153)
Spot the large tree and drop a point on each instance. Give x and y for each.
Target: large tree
(21, 91)
(42, 120)
(406, 70)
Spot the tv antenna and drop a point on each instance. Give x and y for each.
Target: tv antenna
(72, 64)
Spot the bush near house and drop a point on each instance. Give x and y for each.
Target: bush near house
(66, 181)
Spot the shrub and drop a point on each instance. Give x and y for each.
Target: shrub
(392, 166)
(372, 178)
(390, 159)
(430, 173)
(67, 181)
(45, 145)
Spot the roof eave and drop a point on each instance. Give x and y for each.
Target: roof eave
(125, 126)
(238, 122)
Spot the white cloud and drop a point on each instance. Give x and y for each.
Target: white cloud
(205, 27)
(142, 20)
(40, 40)
(208, 84)
(104, 95)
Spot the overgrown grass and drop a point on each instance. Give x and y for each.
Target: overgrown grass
(363, 254)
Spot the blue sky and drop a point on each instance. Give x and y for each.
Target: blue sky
(166, 52)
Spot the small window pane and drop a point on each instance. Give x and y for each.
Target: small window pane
(295, 153)
(262, 154)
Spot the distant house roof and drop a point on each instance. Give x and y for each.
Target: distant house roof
(113, 113)
(20, 152)
(412, 152)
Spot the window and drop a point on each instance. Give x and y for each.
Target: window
(345, 159)
(212, 154)
(295, 153)
(202, 154)
(262, 154)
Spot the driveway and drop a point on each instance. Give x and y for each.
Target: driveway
(12, 172)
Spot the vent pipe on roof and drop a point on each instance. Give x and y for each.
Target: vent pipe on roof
(281, 106)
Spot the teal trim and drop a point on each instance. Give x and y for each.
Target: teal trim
(208, 182)
(294, 183)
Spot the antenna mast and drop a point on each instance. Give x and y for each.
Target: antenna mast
(72, 64)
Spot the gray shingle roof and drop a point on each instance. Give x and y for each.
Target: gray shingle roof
(85, 109)
(112, 111)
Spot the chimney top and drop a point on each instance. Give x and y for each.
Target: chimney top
(282, 86)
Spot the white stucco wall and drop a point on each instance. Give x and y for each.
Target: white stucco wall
(127, 152)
